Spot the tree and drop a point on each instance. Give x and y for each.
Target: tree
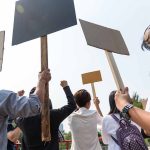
(137, 101)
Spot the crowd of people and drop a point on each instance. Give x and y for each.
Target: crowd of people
(83, 122)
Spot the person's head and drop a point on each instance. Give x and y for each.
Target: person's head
(32, 92)
(83, 98)
(112, 104)
(146, 39)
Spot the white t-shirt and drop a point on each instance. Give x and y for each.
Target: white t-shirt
(109, 127)
(83, 126)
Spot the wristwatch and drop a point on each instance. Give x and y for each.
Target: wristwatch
(125, 111)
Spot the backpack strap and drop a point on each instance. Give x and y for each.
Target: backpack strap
(115, 118)
(115, 140)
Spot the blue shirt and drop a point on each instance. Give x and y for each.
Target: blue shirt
(14, 106)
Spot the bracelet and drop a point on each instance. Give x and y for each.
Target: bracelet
(125, 111)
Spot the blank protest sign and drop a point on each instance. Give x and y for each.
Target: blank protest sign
(104, 38)
(36, 18)
(91, 77)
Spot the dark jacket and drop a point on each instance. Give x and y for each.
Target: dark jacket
(31, 126)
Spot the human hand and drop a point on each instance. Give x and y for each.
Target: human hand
(45, 76)
(96, 101)
(63, 83)
(122, 98)
(20, 93)
(14, 135)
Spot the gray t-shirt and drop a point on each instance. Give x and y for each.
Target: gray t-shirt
(14, 106)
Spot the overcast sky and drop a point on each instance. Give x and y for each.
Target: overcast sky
(69, 55)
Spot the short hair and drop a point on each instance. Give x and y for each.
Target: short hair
(82, 97)
(32, 92)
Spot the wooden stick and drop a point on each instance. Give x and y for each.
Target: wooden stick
(45, 114)
(93, 90)
(114, 70)
(94, 96)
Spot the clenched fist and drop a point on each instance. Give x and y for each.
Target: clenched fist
(63, 83)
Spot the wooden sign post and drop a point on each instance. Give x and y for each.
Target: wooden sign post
(109, 40)
(45, 112)
(2, 37)
(91, 78)
(30, 23)
(114, 70)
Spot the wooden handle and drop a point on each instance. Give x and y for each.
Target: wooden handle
(114, 70)
(93, 90)
(45, 114)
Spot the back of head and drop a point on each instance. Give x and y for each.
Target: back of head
(82, 97)
(112, 104)
(32, 92)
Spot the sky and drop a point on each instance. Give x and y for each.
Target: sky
(70, 56)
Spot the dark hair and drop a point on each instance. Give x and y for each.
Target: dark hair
(144, 44)
(112, 104)
(82, 97)
(32, 90)
(50, 102)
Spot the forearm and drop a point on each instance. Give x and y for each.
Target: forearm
(98, 110)
(40, 90)
(70, 97)
(66, 110)
(141, 117)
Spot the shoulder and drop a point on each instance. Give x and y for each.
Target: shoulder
(5, 93)
(109, 119)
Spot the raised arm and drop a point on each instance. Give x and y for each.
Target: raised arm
(66, 110)
(139, 116)
(14, 106)
(44, 77)
(96, 103)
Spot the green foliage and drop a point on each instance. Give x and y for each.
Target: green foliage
(67, 136)
(100, 135)
(137, 101)
(147, 141)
